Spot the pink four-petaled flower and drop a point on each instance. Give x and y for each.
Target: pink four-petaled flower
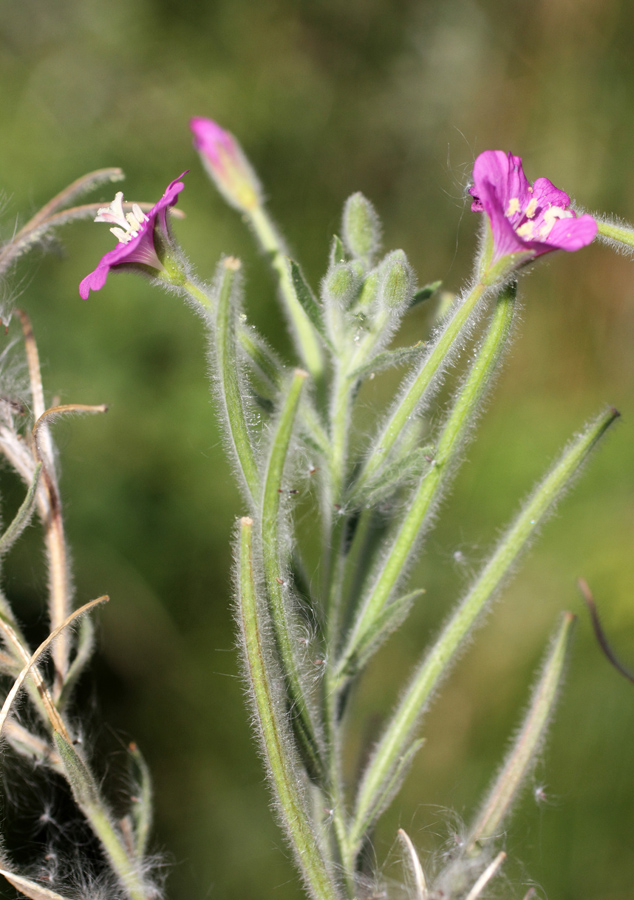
(526, 220)
(136, 232)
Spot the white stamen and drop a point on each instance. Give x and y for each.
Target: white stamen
(526, 230)
(513, 207)
(552, 215)
(531, 208)
(556, 212)
(128, 225)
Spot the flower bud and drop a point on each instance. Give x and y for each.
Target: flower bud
(361, 227)
(396, 281)
(226, 164)
(342, 283)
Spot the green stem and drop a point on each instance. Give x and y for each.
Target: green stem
(432, 364)
(435, 665)
(616, 233)
(275, 740)
(307, 336)
(465, 407)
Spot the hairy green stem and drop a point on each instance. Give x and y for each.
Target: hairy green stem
(620, 233)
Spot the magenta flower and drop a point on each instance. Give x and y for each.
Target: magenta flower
(144, 240)
(525, 220)
(226, 164)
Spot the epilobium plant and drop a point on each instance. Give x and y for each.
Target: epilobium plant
(376, 497)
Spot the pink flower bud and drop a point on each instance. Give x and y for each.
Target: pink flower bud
(226, 164)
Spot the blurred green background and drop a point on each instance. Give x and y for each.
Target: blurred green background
(394, 99)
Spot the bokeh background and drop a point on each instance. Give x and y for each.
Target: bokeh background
(394, 98)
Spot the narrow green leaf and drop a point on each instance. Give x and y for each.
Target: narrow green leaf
(274, 735)
(437, 662)
(405, 469)
(142, 802)
(387, 359)
(23, 515)
(521, 757)
(424, 293)
(391, 618)
(437, 358)
(229, 375)
(82, 781)
(465, 408)
(85, 647)
(383, 797)
(307, 337)
(264, 361)
(306, 299)
(275, 557)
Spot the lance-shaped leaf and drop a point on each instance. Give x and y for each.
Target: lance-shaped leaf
(401, 356)
(274, 559)
(229, 376)
(391, 617)
(306, 299)
(406, 469)
(264, 361)
(83, 654)
(308, 338)
(466, 407)
(439, 354)
(424, 293)
(274, 733)
(23, 515)
(142, 802)
(527, 743)
(436, 664)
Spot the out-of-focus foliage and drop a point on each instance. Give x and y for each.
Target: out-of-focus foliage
(393, 98)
